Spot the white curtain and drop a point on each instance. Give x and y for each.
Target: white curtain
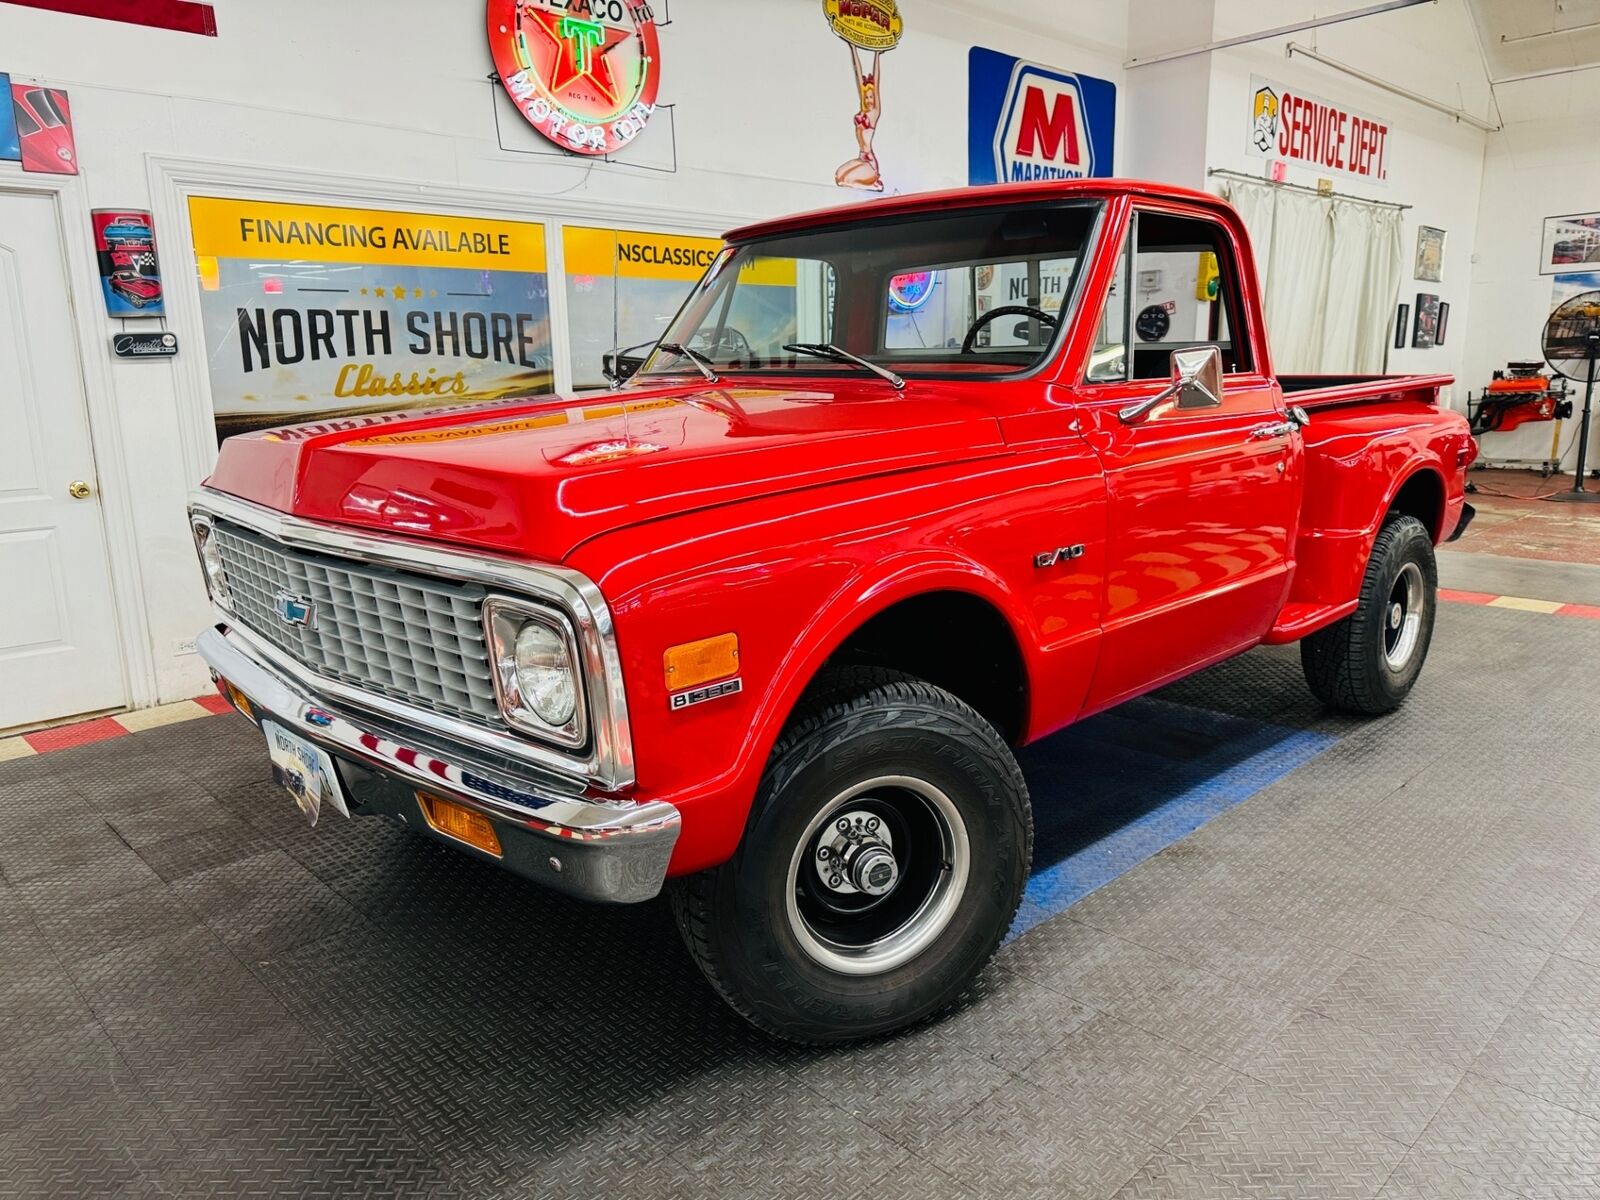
(1329, 268)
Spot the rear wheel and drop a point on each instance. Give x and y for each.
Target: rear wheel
(1368, 662)
(883, 862)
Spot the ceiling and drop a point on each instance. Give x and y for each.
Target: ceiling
(1534, 37)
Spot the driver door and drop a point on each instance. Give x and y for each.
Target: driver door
(1204, 501)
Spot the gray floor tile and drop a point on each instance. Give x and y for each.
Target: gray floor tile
(904, 1087)
(1582, 941)
(1009, 1146)
(1215, 1017)
(1441, 988)
(1270, 1144)
(1421, 1178)
(1008, 1019)
(1549, 1045)
(1241, 948)
(1523, 1144)
(1112, 1072)
(1371, 1082)
(266, 904)
(1167, 1178)
(796, 1143)
(79, 928)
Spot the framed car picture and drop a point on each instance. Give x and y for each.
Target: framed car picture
(1444, 320)
(1430, 254)
(1426, 328)
(1569, 242)
(1402, 326)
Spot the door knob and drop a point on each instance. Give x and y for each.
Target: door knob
(78, 489)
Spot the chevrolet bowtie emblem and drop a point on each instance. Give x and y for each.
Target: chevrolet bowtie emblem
(295, 610)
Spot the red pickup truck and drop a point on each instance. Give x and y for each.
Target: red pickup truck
(905, 485)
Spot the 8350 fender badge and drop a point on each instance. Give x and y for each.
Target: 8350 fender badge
(699, 695)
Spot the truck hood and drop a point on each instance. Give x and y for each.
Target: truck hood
(538, 476)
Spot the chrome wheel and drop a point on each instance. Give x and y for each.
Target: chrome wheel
(877, 875)
(1402, 617)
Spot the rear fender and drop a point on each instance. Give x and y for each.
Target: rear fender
(1358, 462)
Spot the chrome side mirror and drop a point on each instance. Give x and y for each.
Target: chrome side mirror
(620, 365)
(1196, 382)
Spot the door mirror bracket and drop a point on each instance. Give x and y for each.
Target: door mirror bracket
(1196, 383)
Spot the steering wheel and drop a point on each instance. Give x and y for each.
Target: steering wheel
(1006, 310)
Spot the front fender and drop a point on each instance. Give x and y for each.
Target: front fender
(793, 581)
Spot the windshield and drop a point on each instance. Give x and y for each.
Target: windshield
(981, 292)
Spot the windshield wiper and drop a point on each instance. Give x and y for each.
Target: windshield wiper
(824, 350)
(700, 361)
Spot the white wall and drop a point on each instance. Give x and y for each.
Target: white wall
(1167, 102)
(762, 97)
(1435, 164)
(1545, 162)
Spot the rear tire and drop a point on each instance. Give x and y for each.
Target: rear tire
(1368, 662)
(882, 864)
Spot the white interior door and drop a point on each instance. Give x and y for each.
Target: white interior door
(59, 652)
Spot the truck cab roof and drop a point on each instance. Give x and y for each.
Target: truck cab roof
(968, 197)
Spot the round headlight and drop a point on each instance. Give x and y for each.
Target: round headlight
(544, 674)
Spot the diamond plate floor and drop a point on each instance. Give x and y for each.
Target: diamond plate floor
(1376, 976)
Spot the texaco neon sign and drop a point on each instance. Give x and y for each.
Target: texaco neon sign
(583, 72)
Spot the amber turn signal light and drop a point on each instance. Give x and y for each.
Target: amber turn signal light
(693, 663)
(455, 821)
(238, 699)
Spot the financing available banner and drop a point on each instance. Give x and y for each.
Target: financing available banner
(321, 312)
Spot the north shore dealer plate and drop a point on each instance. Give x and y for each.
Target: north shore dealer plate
(305, 771)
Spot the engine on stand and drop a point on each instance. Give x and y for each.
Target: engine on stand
(1518, 395)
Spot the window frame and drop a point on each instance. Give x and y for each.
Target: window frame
(1047, 362)
(1230, 285)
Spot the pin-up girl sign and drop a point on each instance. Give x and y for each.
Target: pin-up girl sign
(870, 26)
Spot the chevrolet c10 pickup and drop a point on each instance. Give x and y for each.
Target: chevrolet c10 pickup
(903, 486)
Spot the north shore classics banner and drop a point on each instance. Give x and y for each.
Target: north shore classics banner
(320, 313)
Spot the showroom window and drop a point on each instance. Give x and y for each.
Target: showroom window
(623, 286)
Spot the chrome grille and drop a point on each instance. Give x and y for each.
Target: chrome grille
(410, 637)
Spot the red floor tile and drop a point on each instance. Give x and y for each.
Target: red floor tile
(80, 734)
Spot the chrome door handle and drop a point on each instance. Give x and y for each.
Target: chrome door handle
(1275, 429)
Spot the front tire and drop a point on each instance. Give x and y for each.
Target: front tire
(1368, 662)
(882, 864)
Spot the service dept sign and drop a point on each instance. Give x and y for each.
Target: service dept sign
(1027, 121)
(583, 72)
(1309, 131)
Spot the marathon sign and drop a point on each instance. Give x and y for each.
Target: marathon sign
(1028, 121)
(1288, 124)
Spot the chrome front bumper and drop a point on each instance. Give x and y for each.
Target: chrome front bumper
(551, 831)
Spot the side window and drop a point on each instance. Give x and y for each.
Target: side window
(1108, 361)
(1185, 292)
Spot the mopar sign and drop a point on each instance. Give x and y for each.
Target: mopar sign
(1029, 121)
